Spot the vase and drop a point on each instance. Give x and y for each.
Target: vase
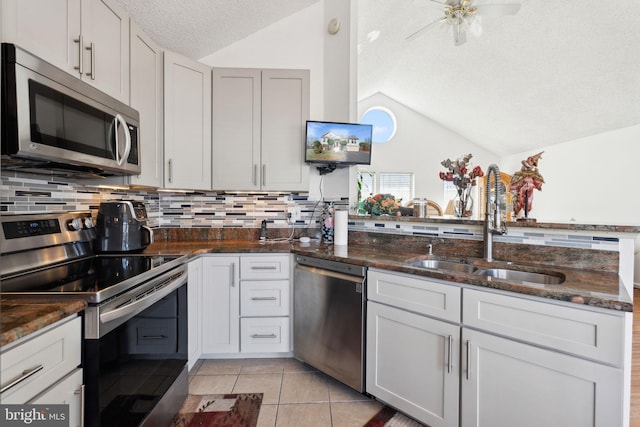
(326, 223)
(463, 203)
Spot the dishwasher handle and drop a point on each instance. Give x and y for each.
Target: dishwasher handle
(329, 273)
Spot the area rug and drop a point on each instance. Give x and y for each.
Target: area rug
(388, 417)
(219, 410)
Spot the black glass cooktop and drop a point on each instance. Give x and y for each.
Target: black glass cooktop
(87, 275)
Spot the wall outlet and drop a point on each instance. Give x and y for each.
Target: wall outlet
(293, 215)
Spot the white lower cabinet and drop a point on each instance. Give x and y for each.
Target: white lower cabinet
(265, 303)
(412, 363)
(45, 368)
(220, 304)
(506, 383)
(509, 361)
(68, 391)
(194, 310)
(244, 304)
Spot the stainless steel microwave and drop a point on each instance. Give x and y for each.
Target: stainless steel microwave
(54, 123)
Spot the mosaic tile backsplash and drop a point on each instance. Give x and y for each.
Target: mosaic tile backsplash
(20, 194)
(165, 209)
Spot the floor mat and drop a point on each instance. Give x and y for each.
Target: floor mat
(388, 417)
(219, 410)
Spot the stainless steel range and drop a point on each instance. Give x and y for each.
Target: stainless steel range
(135, 348)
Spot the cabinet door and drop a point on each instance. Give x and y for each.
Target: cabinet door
(187, 123)
(105, 29)
(146, 97)
(236, 128)
(220, 305)
(412, 364)
(45, 28)
(68, 391)
(507, 383)
(285, 109)
(194, 304)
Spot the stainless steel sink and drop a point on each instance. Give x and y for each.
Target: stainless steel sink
(522, 276)
(435, 264)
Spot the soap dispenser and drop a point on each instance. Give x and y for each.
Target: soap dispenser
(263, 230)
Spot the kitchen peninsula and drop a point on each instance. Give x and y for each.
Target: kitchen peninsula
(594, 260)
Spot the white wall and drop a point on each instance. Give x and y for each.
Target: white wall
(418, 146)
(590, 180)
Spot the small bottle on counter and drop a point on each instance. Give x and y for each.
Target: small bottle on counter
(263, 230)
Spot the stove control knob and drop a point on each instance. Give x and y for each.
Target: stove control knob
(88, 223)
(74, 224)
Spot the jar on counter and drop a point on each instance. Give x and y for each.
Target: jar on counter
(420, 208)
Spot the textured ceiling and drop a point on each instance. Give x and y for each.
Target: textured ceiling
(554, 72)
(197, 28)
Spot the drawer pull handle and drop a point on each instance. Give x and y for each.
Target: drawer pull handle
(154, 337)
(263, 298)
(80, 391)
(25, 374)
(263, 267)
(468, 357)
(450, 361)
(264, 336)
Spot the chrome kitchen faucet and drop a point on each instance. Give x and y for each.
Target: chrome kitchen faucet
(495, 221)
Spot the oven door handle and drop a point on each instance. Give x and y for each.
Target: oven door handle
(165, 288)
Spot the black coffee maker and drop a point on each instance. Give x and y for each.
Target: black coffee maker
(122, 227)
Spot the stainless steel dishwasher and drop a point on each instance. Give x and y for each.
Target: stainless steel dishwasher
(328, 318)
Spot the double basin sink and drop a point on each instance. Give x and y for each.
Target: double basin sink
(512, 274)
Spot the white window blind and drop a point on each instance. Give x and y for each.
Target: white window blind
(398, 184)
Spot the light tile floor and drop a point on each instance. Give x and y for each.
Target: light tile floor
(294, 394)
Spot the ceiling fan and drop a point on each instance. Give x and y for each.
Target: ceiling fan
(462, 15)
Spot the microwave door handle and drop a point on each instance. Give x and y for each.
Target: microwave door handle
(127, 140)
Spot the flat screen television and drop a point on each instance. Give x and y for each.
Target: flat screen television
(336, 144)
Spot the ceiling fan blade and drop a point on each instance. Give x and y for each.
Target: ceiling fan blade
(446, 2)
(421, 30)
(498, 9)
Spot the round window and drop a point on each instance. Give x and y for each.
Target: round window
(383, 121)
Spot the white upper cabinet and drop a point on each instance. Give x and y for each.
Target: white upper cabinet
(187, 123)
(86, 38)
(258, 129)
(146, 97)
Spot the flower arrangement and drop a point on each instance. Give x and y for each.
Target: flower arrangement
(381, 204)
(458, 173)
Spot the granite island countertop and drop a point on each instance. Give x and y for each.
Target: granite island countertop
(21, 316)
(593, 288)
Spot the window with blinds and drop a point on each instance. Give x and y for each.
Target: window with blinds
(400, 184)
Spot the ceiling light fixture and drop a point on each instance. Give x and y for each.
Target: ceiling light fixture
(459, 14)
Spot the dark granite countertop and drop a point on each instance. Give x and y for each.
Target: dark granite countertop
(21, 316)
(567, 225)
(603, 289)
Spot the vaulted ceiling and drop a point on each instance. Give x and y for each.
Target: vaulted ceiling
(553, 72)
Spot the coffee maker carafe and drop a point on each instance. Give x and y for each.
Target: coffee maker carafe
(122, 227)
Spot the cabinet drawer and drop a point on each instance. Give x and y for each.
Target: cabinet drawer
(264, 298)
(53, 354)
(264, 335)
(414, 293)
(67, 391)
(153, 336)
(594, 335)
(264, 267)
